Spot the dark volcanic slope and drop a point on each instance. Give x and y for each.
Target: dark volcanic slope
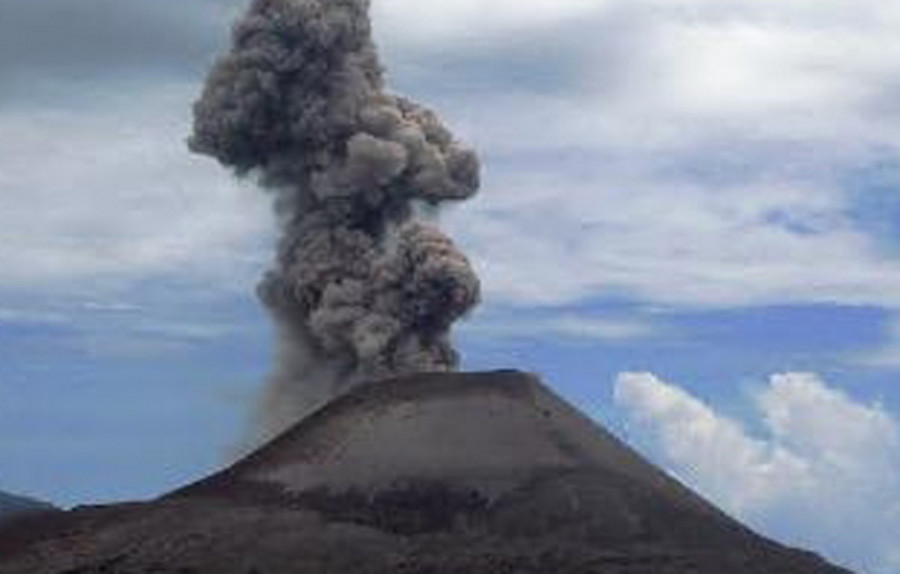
(12, 506)
(474, 473)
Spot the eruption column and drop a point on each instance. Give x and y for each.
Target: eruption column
(359, 289)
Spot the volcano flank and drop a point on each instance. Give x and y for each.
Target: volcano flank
(431, 473)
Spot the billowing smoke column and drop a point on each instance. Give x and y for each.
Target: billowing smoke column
(360, 290)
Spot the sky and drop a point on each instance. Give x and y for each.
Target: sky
(689, 225)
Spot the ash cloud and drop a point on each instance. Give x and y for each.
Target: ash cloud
(361, 288)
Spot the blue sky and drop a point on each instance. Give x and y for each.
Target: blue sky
(690, 225)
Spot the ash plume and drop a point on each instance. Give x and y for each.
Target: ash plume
(360, 288)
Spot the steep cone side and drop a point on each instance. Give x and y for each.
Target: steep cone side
(487, 432)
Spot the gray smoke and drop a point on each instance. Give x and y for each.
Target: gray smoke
(360, 289)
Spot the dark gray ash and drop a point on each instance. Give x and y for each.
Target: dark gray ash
(361, 288)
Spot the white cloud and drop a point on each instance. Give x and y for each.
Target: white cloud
(699, 153)
(713, 451)
(516, 324)
(824, 471)
(422, 24)
(427, 22)
(549, 241)
(107, 191)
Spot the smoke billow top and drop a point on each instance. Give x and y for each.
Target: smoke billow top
(359, 289)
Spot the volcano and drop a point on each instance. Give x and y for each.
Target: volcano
(433, 473)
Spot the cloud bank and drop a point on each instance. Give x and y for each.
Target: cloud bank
(822, 470)
(726, 147)
(115, 196)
